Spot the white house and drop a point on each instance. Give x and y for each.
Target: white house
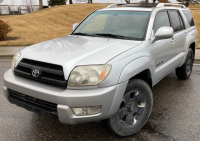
(4, 10)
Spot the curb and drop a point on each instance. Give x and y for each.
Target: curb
(6, 56)
(197, 61)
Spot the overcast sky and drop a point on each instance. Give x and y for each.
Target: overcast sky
(19, 2)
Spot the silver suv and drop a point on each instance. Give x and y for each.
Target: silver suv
(106, 68)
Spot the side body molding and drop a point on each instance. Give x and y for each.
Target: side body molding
(136, 66)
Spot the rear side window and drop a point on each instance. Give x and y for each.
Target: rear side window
(181, 20)
(162, 19)
(189, 17)
(176, 21)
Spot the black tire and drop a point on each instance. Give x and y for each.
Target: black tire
(185, 70)
(139, 95)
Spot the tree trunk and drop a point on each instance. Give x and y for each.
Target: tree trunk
(154, 1)
(41, 4)
(64, 2)
(70, 2)
(127, 1)
(187, 3)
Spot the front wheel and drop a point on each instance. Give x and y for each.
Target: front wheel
(134, 110)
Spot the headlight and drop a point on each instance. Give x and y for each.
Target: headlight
(14, 60)
(88, 75)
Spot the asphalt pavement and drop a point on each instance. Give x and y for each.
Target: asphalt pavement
(175, 116)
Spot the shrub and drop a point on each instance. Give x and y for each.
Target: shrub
(4, 30)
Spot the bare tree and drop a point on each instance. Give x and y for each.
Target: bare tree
(12, 2)
(65, 1)
(127, 1)
(29, 4)
(70, 1)
(41, 4)
(1, 1)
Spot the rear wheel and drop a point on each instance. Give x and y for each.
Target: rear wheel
(134, 110)
(185, 70)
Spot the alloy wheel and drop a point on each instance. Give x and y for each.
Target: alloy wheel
(132, 108)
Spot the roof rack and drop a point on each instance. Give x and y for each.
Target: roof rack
(146, 5)
(134, 5)
(170, 4)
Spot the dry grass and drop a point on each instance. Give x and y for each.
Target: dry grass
(196, 14)
(6, 16)
(46, 24)
(56, 22)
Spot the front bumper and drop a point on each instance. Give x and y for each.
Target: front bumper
(66, 99)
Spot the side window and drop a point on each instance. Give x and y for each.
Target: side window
(162, 19)
(181, 20)
(175, 18)
(189, 17)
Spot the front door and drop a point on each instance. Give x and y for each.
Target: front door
(163, 50)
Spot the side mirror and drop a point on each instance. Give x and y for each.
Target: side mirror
(74, 26)
(163, 33)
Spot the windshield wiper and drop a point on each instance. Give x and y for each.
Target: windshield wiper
(110, 35)
(80, 33)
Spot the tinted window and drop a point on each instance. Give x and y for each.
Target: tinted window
(162, 19)
(189, 17)
(176, 21)
(181, 21)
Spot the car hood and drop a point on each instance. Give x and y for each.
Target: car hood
(71, 51)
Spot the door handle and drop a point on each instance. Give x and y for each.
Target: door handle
(173, 39)
(185, 33)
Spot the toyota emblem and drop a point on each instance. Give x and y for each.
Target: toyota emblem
(35, 73)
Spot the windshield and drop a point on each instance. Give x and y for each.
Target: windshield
(115, 24)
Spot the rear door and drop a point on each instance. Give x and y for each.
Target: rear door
(180, 33)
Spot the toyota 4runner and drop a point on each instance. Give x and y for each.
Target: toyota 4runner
(106, 68)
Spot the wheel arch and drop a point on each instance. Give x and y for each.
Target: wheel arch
(190, 43)
(132, 70)
(138, 69)
(144, 75)
(193, 47)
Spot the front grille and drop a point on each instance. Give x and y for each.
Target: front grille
(48, 73)
(32, 104)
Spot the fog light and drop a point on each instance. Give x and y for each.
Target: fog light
(93, 110)
(86, 110)
(79, 111)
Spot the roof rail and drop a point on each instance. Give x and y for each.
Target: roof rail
(133, 5)
(170, 4)
(112, 6)
(146, 5)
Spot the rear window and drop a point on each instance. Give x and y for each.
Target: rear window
(189, 17)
